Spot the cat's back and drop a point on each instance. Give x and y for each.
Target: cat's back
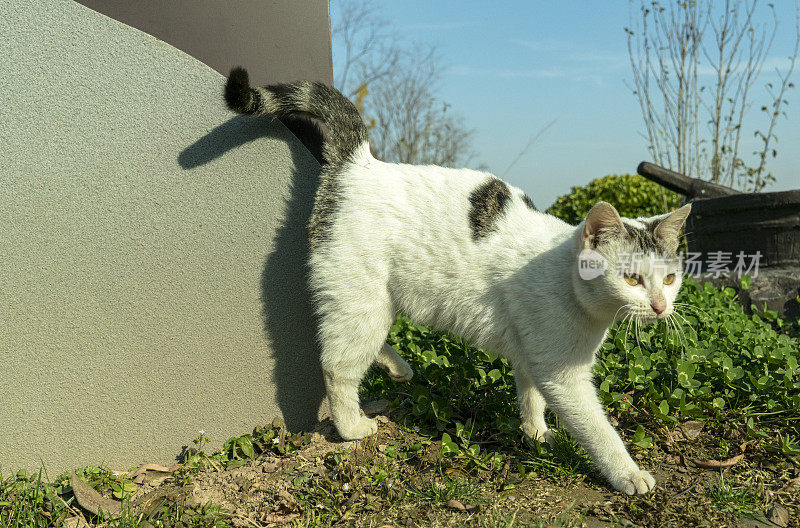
(456, 213)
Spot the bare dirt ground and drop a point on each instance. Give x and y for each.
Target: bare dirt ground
(398, 478)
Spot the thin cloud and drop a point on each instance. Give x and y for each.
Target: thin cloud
(470, 71)
(573, 75)
(544, 45)
(440, 26)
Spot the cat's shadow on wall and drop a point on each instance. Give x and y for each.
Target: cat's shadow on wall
(289, 320)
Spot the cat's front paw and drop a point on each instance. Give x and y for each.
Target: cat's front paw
(361, 428)
(637, 482)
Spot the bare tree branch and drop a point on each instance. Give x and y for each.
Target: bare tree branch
(669, 51)
(395, 86)
(371, 47)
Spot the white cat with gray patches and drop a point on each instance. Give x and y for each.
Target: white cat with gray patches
(462, 251)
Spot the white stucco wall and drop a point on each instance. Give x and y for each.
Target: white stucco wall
(151, 250)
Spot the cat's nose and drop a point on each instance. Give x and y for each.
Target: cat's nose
(658, 308)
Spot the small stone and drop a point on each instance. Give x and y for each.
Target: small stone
(382, 419)
(459, 506)
(382, 448)
(690, 430)
(778, 515)
(376, 407)
(194, 501)
(456, 505)
(269, 466)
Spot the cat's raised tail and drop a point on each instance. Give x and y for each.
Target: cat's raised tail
(315, 99)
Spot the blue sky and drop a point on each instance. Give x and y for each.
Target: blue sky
(510, 68)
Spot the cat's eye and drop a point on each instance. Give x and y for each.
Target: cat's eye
(669, 279)
(633, 280)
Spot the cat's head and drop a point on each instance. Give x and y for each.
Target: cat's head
(629, 266)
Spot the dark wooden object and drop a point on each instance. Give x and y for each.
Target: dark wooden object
(764, 222)
(727, 220)
(691, 188)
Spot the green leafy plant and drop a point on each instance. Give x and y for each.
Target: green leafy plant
(100, 478)
(632, 195)
(238, 450)
(714, 361)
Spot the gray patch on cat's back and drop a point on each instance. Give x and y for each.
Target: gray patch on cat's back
(489, 200)
(527, 200)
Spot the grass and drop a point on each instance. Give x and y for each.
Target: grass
(730, 498)
(438, 488)
(26, 502)
(455, 434)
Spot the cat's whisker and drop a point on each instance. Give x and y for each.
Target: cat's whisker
(628, 329)
(691, 307)
(683, 306)
(686, 322)
(636, 333)
(671, 325)
(628, 316)
(670, 338)
(678, 332)
(620, 309)
(620, 325)
(621, 322)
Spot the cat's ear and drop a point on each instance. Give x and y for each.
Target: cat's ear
(602, 216)
(670, 227)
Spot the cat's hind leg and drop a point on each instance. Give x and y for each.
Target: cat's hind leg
(352, 331)
(531, 406)
(389, 360)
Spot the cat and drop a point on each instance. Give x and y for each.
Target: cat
(463, 251)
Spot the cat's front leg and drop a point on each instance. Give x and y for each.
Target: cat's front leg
(572, 395)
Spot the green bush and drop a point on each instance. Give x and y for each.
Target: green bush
(631, 194)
